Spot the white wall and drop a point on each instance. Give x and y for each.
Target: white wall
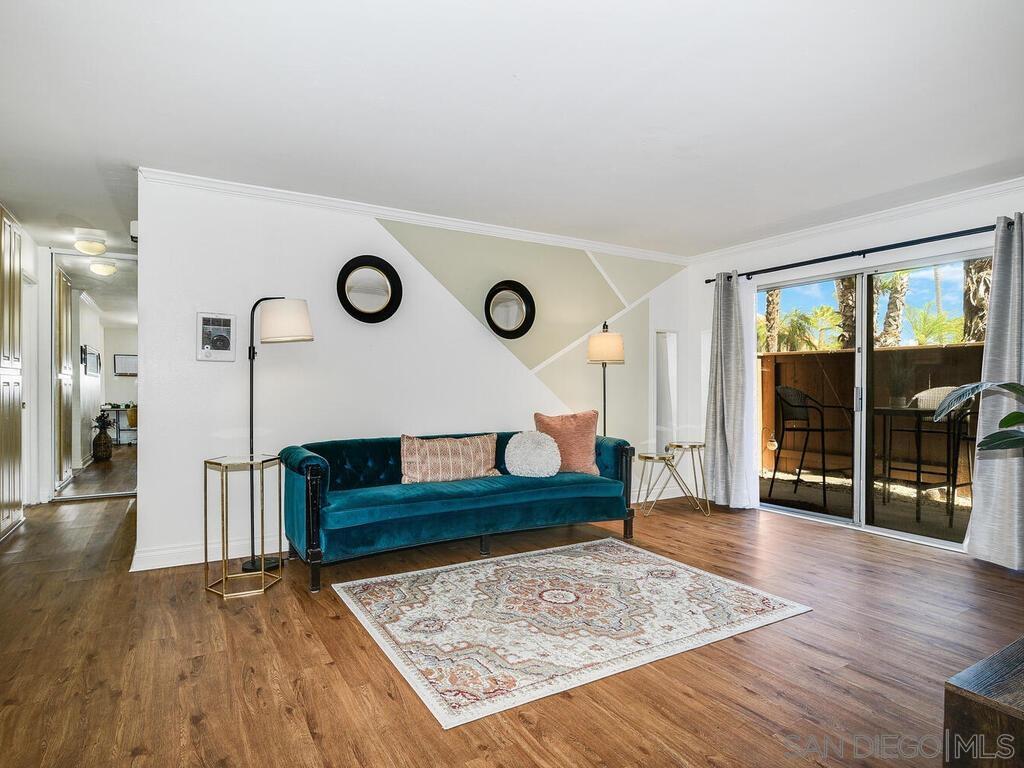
(431, 368)
(90, 388)
(966, 210)
(119, 341)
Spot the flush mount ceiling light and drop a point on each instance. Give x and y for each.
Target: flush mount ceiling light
(91, 246)
(101, 268)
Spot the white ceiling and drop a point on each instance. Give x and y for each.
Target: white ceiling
(673, 126)
(116, 296)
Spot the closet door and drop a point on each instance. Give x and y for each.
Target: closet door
(8, 443)
(6, 292)
(14, 317)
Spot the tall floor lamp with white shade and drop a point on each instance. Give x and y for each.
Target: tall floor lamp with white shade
(607, 349)
(281, 321)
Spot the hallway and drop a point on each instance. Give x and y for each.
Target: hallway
(114, 476)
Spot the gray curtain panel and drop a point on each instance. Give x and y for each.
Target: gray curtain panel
(725, 461)
(996, 532)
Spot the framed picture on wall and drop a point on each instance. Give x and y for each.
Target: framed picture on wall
(126, 365)
(91, 360)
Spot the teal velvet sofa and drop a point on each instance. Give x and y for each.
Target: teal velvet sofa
(345, 499)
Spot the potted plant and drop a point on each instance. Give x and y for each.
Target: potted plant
(1009, 435)
(102, 445)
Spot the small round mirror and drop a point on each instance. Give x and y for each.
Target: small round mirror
(508, 310)
(368, 289)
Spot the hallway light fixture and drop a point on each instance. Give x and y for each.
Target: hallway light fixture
(91, 246)
(102, 268)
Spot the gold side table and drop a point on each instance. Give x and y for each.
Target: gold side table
(224, 465)
(700, 490)
(666, 461)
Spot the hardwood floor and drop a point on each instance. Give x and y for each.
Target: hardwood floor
(114, 476)
(101, 667)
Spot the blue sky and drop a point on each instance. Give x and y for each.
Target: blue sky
(921, 290)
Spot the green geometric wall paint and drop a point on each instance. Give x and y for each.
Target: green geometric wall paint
(578, 384)
(572, 296)
(635, 277)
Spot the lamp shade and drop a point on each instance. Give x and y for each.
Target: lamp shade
(606, 347)
(283, 320)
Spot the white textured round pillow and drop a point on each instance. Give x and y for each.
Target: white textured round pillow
(532, 454)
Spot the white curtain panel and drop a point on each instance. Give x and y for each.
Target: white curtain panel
(996, 532)
(731, 480)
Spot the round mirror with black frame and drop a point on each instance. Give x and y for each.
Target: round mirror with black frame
(510, 309)
(369, 289)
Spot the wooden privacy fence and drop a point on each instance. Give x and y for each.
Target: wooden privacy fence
(829, 376)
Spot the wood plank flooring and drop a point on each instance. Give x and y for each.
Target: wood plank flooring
(100, 667)
(114, 476)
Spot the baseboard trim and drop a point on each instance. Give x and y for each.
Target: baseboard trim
(151, 558)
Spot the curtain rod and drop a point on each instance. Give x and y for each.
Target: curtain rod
(865, 251)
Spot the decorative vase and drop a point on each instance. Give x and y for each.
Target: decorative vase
(102, 446)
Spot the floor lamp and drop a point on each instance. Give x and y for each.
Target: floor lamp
(281, 320)
(607, 349)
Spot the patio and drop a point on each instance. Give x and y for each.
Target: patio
(899, 373)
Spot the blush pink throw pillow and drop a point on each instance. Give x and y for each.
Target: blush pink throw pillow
(575, 434)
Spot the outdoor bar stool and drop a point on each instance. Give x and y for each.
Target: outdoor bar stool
(795, 416)
(696, 450)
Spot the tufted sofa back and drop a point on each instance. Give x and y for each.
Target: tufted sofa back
(363, 463)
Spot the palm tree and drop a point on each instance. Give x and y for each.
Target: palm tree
(825, 322)
(931, 326)
(797, 331)
(846, 297)
(892, 327)
(977, 285)
(771, 320)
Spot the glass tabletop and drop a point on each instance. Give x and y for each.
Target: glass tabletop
(242, 461)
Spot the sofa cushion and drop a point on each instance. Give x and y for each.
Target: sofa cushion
(576, 435)
(443, 459)
(362, 506)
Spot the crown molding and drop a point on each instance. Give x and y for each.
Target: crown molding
(398, 214)
(905, 211)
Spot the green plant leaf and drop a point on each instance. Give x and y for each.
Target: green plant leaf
(1003, 440)
(962, 394)
(1011, 419)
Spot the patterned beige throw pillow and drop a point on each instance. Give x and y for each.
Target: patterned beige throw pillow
(448, 458)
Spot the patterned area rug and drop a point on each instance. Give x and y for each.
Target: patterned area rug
(476, 638)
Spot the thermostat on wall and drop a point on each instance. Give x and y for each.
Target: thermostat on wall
(215, 341)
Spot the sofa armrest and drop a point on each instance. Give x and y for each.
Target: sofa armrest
(299, 459)
(608, 454)
(314, 472)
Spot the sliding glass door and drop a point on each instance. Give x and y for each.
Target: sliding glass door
(929, 337)
(807, 337)
(904, 336)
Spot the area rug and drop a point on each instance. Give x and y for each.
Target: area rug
(480, 637)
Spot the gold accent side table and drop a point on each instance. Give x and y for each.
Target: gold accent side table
(647, 464)
(224, 465)
(696, 451)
